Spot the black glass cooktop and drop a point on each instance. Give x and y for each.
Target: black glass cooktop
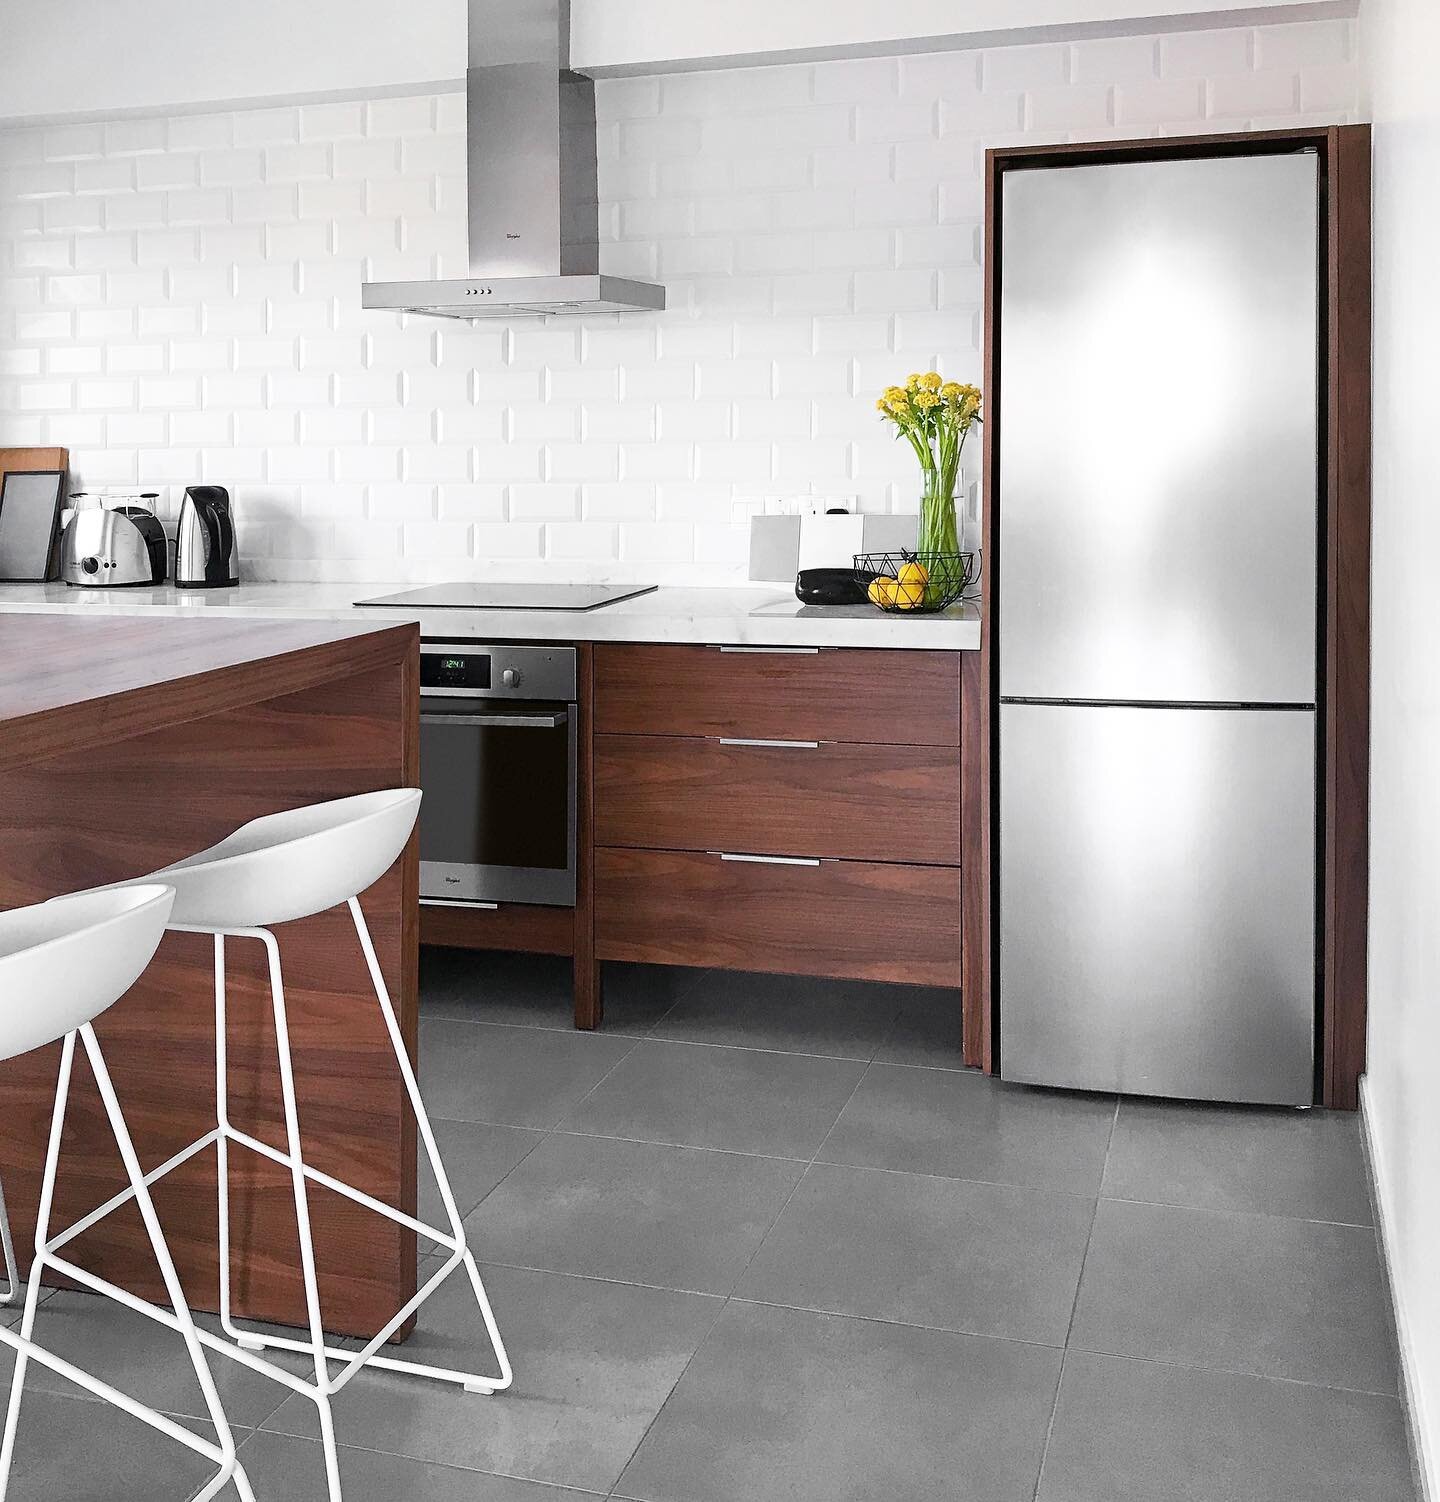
(491, 596)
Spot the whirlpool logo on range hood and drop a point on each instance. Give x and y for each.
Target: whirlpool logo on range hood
(533, 200)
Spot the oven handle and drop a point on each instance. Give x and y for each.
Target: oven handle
(516, 720)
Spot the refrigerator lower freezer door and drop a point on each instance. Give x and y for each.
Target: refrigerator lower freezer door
(1157, 900)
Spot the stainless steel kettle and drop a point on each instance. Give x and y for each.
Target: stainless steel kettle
(205, 553)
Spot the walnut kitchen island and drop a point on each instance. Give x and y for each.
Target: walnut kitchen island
(125, 744)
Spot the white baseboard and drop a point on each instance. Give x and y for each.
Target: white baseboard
(1423, 1458)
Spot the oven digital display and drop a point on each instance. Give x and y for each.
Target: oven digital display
(467, 670)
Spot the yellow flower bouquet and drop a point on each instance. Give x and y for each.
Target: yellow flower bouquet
(934, 416)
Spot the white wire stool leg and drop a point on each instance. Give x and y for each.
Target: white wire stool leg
(301, 1173)
(223, 1454)
(7, 1244)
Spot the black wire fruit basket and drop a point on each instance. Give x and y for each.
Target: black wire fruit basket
(915, 583)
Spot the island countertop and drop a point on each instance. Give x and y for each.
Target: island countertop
(67, 683)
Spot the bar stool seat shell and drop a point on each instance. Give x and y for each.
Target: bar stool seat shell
(292, 864)
(64, 962)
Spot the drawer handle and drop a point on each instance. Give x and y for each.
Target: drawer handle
(767, 860)
(446, 902)
(729, 740)
(775, 651)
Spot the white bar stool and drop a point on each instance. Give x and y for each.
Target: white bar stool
(7, 1244)
(62, 963)
(271, 871)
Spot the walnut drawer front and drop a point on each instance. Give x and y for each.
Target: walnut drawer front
(847, 919)
(846, 694)
(853, 802)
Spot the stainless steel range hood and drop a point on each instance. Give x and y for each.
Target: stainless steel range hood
(533, 200)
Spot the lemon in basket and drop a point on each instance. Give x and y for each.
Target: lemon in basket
(910, 585)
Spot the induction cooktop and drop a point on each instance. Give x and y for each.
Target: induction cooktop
(490, 596)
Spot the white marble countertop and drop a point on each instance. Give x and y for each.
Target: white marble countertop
(753, 615)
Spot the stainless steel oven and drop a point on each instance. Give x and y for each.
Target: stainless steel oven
(497, 764)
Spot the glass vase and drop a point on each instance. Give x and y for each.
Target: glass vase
(938, 532)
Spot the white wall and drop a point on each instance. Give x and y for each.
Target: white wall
(1402, 42)
(92, 58)
(179, 298)
(89, 58)
(628, 36)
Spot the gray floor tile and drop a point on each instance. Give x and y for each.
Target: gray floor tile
(1133, 1431)
(78, 1450)
(536, 990)
(476, 1156)
(593, 1363)
(1245, 1293)
(968, 1126)
(984, 1258)
(791, 1013)
(675, 1217)
(282, 1467)
(11, 1314)
(783, 1406)
(149, 1362)
(735, 1098)
(927, 1031)
(513, 1076)
(1307, 1164)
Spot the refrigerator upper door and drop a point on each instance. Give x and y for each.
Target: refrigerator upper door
(1158, 507)
(1157, 900)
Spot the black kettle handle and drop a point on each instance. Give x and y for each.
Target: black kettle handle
(212, 503)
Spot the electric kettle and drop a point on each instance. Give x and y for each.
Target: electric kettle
(205, 553)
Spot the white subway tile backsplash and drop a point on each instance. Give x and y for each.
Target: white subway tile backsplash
(864, 81)
(907, 120)
(104, 176)
(398, 117)
(179, 298)
(75, 215)
(1197, 54)
(1155, 102)
(175, 169)
(1080, 106)
(1111, 59)
(266, 127)
(135, 137)
(508, 539)
(1305, 43)
(1332, 88)
(1249, 95)
(330, 122)
(587, 541)
(478, 502)
(70, 142)
(1006, 69)
(201, 132)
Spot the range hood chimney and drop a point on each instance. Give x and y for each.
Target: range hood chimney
(533, 201)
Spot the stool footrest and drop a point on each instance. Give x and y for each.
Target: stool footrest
(247, 1341)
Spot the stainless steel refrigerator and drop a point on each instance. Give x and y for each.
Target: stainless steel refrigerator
(1158, 517)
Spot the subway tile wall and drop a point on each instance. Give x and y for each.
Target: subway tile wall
(179, 299)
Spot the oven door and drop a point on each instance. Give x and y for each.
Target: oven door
(497, 823)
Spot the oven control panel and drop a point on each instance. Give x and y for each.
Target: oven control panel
(484, 671)
(455, 670)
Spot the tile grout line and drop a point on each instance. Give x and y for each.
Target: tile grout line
(1074, 1307)
(730, 1296)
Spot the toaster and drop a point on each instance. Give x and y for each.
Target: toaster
(102, 547)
